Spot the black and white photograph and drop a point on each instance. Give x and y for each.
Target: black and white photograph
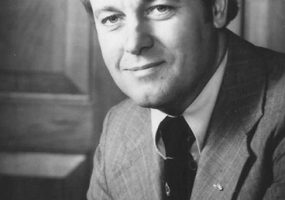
(142, 100)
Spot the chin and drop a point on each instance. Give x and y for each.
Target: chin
(145, 104)
(148, 102)
(148, 95)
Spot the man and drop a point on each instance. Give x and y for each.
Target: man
(180, 66)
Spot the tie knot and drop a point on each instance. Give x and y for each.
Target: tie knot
(177, 136)
(173, 122)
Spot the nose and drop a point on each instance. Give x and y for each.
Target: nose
(138, 38)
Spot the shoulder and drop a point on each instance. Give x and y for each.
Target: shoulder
(275, 95)
(124, 111)
(274, 98)
(265, 69)
(260, 63)
(125, 106)
(122, 119)
(274, 63)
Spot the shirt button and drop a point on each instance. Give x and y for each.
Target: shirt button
(167, 189)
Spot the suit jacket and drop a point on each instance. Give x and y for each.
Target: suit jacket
(244, 153)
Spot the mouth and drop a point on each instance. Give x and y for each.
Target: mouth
(145, 67)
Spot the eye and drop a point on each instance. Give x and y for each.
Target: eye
(162, 8)
(160, 12)
(111, 20)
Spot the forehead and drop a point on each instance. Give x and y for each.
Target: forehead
(102, 4)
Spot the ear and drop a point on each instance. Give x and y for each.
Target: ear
(220, 13)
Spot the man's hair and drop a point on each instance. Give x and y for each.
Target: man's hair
(232, 8)
(88, 8)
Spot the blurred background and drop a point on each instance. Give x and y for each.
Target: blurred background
(55, 91)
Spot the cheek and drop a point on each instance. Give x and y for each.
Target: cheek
(179, 40)
(111, 52)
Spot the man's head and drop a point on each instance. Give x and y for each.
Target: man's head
(161, 53)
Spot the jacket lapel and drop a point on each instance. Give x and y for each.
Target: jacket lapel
(139, 172)
(238, 109)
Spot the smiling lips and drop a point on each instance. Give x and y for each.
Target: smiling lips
(144, 67)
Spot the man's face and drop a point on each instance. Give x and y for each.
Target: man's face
(159, 52)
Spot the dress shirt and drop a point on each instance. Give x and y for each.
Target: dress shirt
(198, 114)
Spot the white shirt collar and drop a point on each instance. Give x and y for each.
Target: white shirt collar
(198, 114)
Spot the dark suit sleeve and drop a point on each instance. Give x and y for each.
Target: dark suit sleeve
(276, 191)
(98, 189)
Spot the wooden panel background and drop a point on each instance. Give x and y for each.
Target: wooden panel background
(264, 23)
(45, 36)
(46, 123)
(26, 43)
(45, 103)
(276, 21)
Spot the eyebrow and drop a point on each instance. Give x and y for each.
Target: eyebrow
(150, 1)
(105, 9)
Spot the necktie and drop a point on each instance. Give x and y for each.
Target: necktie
(179, 172)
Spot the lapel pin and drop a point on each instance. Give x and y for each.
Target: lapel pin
(218, 187)
(167, 189)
